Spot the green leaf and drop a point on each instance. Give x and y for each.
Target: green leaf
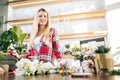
(102, 49)
(22, 37)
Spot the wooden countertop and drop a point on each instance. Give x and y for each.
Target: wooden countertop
(58, 77)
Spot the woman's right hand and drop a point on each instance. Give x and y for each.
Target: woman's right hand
(17, 55)
(30, 57)
(12, 53)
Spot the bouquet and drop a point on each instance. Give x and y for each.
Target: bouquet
(28, 67)
(44, 68)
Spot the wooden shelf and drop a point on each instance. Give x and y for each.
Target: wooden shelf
(67, 56)
(76, 16)
(20, 22)
(26, 3)
(81, 35)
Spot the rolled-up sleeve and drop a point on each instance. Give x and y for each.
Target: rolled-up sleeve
(55, 44)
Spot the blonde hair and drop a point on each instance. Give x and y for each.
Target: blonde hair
(36, 27)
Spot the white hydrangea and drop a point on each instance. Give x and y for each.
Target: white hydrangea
(27, 67)
(45, 67)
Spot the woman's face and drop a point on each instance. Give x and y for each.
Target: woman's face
(42, 18)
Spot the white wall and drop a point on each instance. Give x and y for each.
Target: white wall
(113, 22)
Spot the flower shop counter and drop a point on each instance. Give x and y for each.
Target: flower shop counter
(43, 77)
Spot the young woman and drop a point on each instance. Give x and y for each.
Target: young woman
(44, 41)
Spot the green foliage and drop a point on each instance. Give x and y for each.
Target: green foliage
(67, 51)
(20, 35)
(76, 48)
(79, 57)
(102, 49)
(11, 37)
(67, 46)
(18, 46)
(6, 38)
(114, 72)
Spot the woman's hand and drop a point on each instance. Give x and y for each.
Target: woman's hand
(12, 53)
(30, 57)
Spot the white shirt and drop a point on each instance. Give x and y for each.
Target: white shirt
(37, 43)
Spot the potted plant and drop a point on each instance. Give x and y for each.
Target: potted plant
(104, 57)
(18, 45)
(67, 46)
(79, 57)
(13, 36)
(75, 49)
(6, 38)
(102, 49)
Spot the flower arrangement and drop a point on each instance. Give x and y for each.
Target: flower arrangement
(76, 49)
(44, 68)
(28, 67)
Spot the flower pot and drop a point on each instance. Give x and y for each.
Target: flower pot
(1, 71)
(5, 68)
(104, 61)
(101, 61)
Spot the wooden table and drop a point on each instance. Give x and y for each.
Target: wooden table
(58, 77)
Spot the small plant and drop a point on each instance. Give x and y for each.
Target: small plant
(76, 48)
(14, 36)
(102, 49)
(79, 57)
(6, 38)
(67, 46)
(114, 72)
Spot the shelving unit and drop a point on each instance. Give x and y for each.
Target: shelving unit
(26, 3)
(81, 35)
(60, 18)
